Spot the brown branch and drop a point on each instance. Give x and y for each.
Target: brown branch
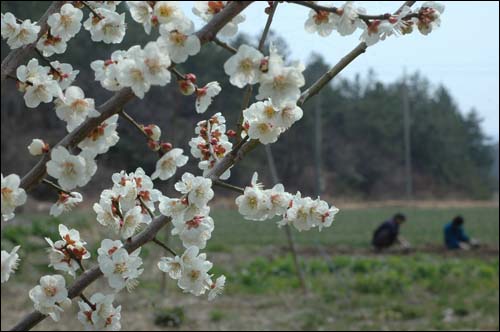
(268, 25)
(19, 55)
(134, 123)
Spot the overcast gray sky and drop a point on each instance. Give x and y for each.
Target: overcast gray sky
(462, 54)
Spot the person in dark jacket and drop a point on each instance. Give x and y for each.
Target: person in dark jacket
(388, 233)
(455, 237)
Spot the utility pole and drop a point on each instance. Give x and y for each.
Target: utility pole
(318, 146)
(407, 140)
(288, 231)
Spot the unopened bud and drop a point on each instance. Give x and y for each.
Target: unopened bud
(38, 147)
(165, 146)
(153, 131)
(153, 145)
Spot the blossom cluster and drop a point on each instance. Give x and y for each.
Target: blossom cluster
(118, 266)
(348, 18)
(18, 33)
(136, 68)
(128, 204)
(279, 89)
(100, 314)
(190, 214)
(67, 253)
(303, 213)
(63, 26)
(211, 144)
(104, 23)
(191, 272)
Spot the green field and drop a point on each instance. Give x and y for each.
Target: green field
(350, 287)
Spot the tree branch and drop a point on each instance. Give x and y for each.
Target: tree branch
(19, 55)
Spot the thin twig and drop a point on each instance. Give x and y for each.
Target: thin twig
(164, 246)
(47, 61)
(134, 123)
(178, 75)
(143, 204)
(56, 187)
(228, 186)
(224, 45)
(268, 25)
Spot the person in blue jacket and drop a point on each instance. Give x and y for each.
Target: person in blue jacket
(454, 235)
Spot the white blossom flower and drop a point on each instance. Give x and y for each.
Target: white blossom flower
(65, 254)
(50, 45)
(103, 316)
(207, 9)
(32, 72)
(217, 288)
(194, 232)
(121, 268)
(102, 137)
(40, 86)
(141, 12)
(74, 108)
(12, 195)
(198, 189)
(377, 30)
(205, 95)
(65, 203)
(9, 263)
(281, 83)
(348, 20)
(65, 74)
(157, 64)
(69, 170)
(253, 204)
(132, 72)
(167, 12)
(172, 266)
(260, 123)
(50, 296)
(429, 16)
(109, 5)
(322, 22)
(38, 147)
(244, 67)
(178, 40)
(20, 34)
(109, 27)
(9, 26)
(67, 23)
(167, 165)
(195, 278)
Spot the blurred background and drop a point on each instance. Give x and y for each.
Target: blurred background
(411, 127)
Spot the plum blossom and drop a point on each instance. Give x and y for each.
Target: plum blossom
(65, 203)
(103, 316)
(50, 297)
(205, 95)
(281, 83)
(141, 12)
(167, 165)
(207, 9)
(18, 34)
(50, 45)
(167, 12)
(68, 169)
(104, 136)
(67, 254)
(120, 268)
(429, 16)
(178, 40)
(64, 74)
(38, 147)
(198, 189)
(67, 23)
(74, 108)
(217, 288)
(38, 85)
(12, 195)
(244, 67)
(109, 27)
(322, 22)
(9, 263)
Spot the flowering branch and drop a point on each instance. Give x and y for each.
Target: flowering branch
(18, 56)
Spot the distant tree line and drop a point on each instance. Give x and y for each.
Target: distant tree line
(362, 126)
